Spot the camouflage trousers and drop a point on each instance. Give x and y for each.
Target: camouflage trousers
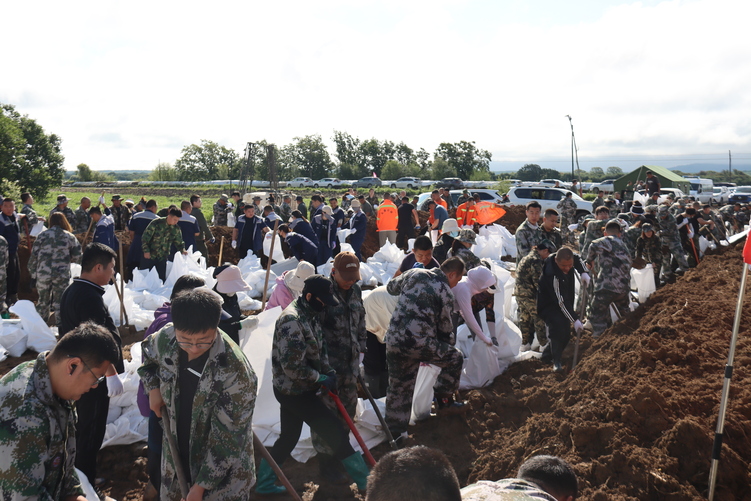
(346, 386)
(566, 234)
(50, 292)
(530, 322)
(403, 366)
(600, 314)
(674, 250)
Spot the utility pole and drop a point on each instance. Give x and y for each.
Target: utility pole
(730, 166)
(574, 151)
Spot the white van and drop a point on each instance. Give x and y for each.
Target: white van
(701, 189)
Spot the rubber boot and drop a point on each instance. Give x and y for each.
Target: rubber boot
(267, 480)
(357, 469)
(331, 470)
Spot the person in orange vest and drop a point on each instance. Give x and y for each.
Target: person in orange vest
(465, 213)
(387, 220)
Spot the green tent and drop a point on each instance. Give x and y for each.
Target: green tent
(667, 178)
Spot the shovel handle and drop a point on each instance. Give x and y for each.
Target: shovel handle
(258, 445)
(345, 415)
(389, 436)
(181, 479)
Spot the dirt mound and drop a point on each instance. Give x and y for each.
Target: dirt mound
(515, 215)
(637, 417)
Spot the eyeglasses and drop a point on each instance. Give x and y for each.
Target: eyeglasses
(99, 380)
(200, 346)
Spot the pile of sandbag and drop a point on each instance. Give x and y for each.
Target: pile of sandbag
(125, 424)
(28, 331)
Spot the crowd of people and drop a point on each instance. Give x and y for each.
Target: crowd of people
(196, 378)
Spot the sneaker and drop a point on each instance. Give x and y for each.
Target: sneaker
(588, 326)
(557, 367)
(449, 406)
(525, 347)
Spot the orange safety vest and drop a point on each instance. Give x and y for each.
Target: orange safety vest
(465, 216)
(387, 218)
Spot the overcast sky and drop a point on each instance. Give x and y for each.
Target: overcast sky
(128, 84)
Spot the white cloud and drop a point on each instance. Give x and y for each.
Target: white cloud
(128, 84)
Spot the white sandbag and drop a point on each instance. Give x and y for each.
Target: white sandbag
(75, 271)
(342, 234)
(325, 268)
(481, 368)
(3, 353)
(368, 275)
(278, 252)
(703, 244)
(88, 490)
(113, 413)
(389, 253)
(463, 340)
(13, 338)
(231, 221)
(150, 301)
(645, 281)
(247, 303)
(422, 398)
(37, 229)
(129, 428)
(509, 340)
(39, 336)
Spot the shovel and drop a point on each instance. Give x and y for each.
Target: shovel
(345, 415)
(258, 445)
(181, 479)
(389, 436)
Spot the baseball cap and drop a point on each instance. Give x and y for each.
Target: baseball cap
(61, 199)
(224, 197)
(355, 204)
(322, 288)
(326, 209)
(347, 265)
(646, 227)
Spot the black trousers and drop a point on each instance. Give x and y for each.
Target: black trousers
(308, 408)
(559, 334)
(14, 274)
(92, 410)
(161, 267)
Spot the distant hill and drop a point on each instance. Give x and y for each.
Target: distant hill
(694, 168)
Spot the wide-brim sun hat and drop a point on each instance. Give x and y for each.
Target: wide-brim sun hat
(231, 280)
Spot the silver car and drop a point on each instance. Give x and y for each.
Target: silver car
(548, 198)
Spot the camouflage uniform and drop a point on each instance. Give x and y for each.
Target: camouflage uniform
(567, 209)
(221, 438)
(650, 249)
(630, 237)
(554, 236)
(3, 272)
(526, 237)
(468, 257)
(121, 215)
(220, 214)
(672, 240)
(612, 262)
(420, 331)
(31, 215)
(599, 201)
(158, 238)
(285, 211)
(67, 212)
(38, 442)
(83, 220)
(595, 230)
(527, 278)
(49, 264)
(345, 337)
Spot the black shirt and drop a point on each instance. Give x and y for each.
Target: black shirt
(653, 185)
(187, 380)
(404, 212)
(409, 262)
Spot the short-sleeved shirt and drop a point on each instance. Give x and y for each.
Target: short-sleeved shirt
(409, 262)
(405, 215)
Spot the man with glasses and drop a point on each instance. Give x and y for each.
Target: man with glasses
(192, 366)
(37, 447)
(82, 302)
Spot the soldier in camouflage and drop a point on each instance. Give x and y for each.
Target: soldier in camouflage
(345, 337)
(38, 446)
(548, 229)
(49, 264)
(3, 273)
(62, 206)
(421, 330)
(567, 209)
(649, 248)
(610, 259)
(120, 213)
(28, 210)
(301, 371)
(595, 229)
(461, 248)
(285, 210)
(159, 236)
(525, 289)
(83, 219)
(221, 209)
(671, 239)
(526, 234)
(630, 234)
(209, 388)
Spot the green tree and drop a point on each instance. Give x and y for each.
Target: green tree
(28, 156)
(480, 175)
(85, 174)
(596, 173)
(392, 170)
(309, 156)
(163, 172)
(441, 168)
(203, 162)
(613, 171)
(464, 157)
(347, 149)
(529, 172)
(550, 174)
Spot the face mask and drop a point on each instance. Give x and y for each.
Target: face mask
(317, 305)
(453, 234)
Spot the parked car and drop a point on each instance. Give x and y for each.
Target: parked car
(664, 192)
(720, 195)
(409, 183)
(450, 183)
(551, 182)
(486, 195)
(328, 182)
(367, 182)
(301, 182)
(701, 189)
(742, 195)
(548, 198)
(606, 186)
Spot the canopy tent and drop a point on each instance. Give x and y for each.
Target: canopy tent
(667, 178)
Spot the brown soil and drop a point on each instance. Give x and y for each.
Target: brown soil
(636, 418)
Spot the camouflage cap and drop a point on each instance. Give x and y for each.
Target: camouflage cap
(651, 208)
(547, 245)
(61, 199)
(224, 197)
(116, 197)
(467, 236)
(646, 227)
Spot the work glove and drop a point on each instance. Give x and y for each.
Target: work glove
(585, 279)
(234, 244)
(329, 382)
(353, 231)
(101, 200)
(485, 339)
(362, 357)
(114, 386)
(250, 322)
(573, 227)
(417, 227)
(495, 340)
(578, 327)
(213, 240)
